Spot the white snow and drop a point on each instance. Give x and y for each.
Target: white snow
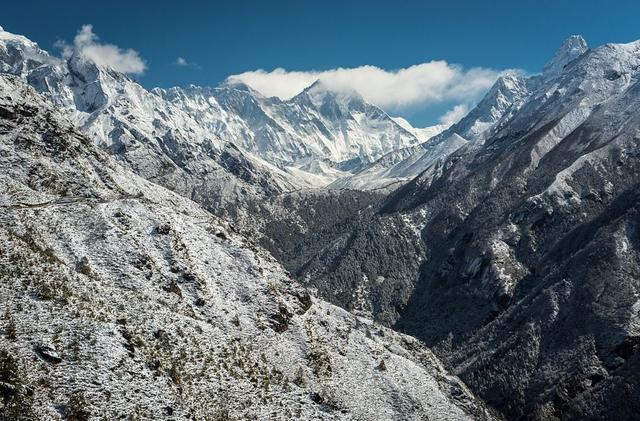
(157, 309)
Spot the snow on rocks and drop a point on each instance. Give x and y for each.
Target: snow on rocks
(124, 299)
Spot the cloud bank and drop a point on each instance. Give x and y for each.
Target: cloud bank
(454, 115)
(419, 85)
(86, 42)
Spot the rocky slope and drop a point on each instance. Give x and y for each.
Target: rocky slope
(120, 298)
(525, 278)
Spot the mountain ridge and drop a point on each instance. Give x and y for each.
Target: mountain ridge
(515, 257)
(122, 298)
(273, 133)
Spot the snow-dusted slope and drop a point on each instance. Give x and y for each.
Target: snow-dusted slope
(121, 298)
(520, 253)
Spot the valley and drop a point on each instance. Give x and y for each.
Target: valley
(212, 252)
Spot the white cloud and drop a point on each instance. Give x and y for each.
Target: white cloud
(419, 85)
(454, 115)
(87, 43)
(183, 62)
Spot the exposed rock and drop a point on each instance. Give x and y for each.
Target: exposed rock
(48, 353)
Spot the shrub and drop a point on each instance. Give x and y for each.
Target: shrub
(15, 394)
(77, 408)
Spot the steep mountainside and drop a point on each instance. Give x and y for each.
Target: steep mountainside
(142, 131)
(121, 298)
(510, 245)
(527, 276)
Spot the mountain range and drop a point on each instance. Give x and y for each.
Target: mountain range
(516, 256)
(213, 253)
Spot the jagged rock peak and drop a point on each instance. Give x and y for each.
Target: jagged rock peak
(572, 48)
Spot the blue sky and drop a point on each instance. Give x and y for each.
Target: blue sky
(222, 38)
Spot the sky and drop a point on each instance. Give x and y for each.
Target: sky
(428, 61)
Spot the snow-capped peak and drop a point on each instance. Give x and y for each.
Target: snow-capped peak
(237, 85)
(21, 56)
(572, 48)
(320, 94)
(321, 87)
(6, 36)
